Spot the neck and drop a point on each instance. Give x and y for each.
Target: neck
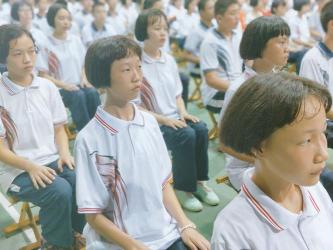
(328, 41)
(23, 81)
(99, 25)
(151, 51)
(118, 108)
(207, 22)
(284, 193)
(26, 26)
(300, 14)
(224, 31)
(61, 35)
(262, 66)
(41, 12)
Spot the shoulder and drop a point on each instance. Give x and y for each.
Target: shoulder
(313, 54)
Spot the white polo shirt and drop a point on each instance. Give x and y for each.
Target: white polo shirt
(83, 18)
(90, 33)
(235, 167)
(136, 150)
(163, 76)
(131, 13)
(221, 55)
(317, 65)
(118, 23)
(299, 28)
(254, 221)
(70, 55)
(35, 110)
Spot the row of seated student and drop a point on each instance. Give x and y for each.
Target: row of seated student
(164, 103)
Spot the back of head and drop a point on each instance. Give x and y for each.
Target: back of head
(258, 32)
(101, 55)
(326, 15)
(265, 103)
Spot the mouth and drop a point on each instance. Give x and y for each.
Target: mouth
(317, 172)
(28, 67)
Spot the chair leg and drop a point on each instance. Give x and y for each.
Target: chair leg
(214, 131)
(196, 95)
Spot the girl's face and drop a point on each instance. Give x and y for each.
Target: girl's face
(296, 153)
(157, 32)
(281, 10)
(126, 79)
(277, 51)
(21, 57)
(25, 15)
(62, 20)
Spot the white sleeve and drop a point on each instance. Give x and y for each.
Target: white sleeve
(2, 130)
(179, 85)
(192, 41)
(58, 110)
(310, 69)
(91, 194)
(208, 57)
(86, 35)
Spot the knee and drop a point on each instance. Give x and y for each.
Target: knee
(188, 135)
(91, 92)
(201, 128)
(61, 191)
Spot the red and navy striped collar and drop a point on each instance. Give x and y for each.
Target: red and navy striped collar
(273, 213)
(114, 124)
(14, 88)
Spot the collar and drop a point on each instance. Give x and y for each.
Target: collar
(114, 124)
(274, 214)
(57, 41)
(249, 72)
(221, 36)
(95, 28)
(13, 88)
(150, 60)
(325, 50)
(204, 25)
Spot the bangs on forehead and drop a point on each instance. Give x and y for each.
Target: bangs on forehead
(156, 19)
(279, 29)
(128, 50)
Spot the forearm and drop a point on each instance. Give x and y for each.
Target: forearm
(239, 156)
(108, 230)
(13, 160)
(172, 205)
(61, 140)
(58, 83)
(216, 82)
(180, 105)
(190, 57)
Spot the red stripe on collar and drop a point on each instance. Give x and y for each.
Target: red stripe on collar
(314, 202)
(104, 124)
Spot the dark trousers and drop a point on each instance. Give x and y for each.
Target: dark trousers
(185, 82)
(189, 154)
(326, 179)
(178, 245)
(82, 104)
(58, 212)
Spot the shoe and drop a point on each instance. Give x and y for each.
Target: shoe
(188, 201)
(206, 194)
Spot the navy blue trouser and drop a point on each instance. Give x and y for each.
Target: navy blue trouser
(189, 154)
(58, 211)
(82, 104)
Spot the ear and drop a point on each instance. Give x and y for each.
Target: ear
(218, 18)
(260, 151)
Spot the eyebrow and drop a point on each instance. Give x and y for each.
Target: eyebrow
(309, 131)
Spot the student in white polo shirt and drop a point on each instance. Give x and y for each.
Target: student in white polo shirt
(282, 204)
(122, 164)
(98, 28)
(38, 167)
(64, 66)
(84, 16)
(116, 19)
(268, 50)
(317, 65)
(220, 62)
(184, 134)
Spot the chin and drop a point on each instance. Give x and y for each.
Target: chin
(311, 181)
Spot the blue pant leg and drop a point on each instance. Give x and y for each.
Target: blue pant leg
(92, 100)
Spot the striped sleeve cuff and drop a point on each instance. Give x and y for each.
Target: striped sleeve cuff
(167, 180)
(89, 210)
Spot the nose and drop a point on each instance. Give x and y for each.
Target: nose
(322, 152)
(137, 75)
(26, 57)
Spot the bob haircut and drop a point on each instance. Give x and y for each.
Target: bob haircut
(298, 4)
(258, 32)
(101, 55)
(145, 19)
(276, 4)
(52, 12)
(326, 14)
(221, 6)
(264, 104)
(8, 33)
(14, 12)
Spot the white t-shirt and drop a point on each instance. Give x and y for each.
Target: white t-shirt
(35, 110)
(118, 22)
(221, 55)
(163, 76)
(135, 152)
(317, 65)
(254, 221)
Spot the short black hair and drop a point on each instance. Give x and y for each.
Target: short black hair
(53, 11)
(264, 104)
(202, 5)
(16, 8)
(298, 4)
(146, 18)
(221, 6)
(96, 4)
(148, 4)
(276, 4)
(8, 33)
(258, 32)
(101, 55)
(254, 3)
(326, 14)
